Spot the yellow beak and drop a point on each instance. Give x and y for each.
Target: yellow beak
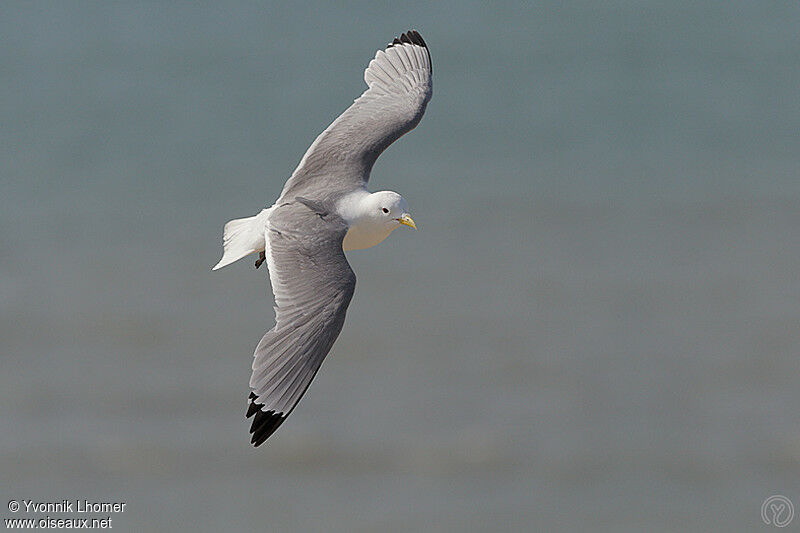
(406, 220)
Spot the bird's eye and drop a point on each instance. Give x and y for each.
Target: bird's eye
(385, 210)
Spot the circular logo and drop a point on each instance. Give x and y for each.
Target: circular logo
(777, 511)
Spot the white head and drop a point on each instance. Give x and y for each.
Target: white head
(371, 218)
(389, 209)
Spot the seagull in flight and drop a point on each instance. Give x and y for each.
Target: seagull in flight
(323, 210)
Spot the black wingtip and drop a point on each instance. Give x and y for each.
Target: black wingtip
(412, 37)
(409, 37)
(265, 422)
(416, 38)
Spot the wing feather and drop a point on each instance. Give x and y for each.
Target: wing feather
(313, 285)
(400, 85)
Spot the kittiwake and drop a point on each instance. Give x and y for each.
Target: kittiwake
(323, 210)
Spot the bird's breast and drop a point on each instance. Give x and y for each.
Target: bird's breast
(360, 236)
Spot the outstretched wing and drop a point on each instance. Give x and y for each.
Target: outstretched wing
(399, 88)
(313, 284)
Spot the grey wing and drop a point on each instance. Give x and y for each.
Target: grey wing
(313, 284)
(399, 88)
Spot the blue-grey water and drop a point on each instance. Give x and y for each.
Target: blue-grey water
(597, 326)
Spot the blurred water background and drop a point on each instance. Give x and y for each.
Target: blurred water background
(596, 327)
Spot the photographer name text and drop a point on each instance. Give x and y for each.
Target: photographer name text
(73, 506)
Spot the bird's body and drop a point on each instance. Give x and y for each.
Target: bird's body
(324, 209)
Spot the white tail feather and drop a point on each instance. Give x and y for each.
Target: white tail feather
(241, 237)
